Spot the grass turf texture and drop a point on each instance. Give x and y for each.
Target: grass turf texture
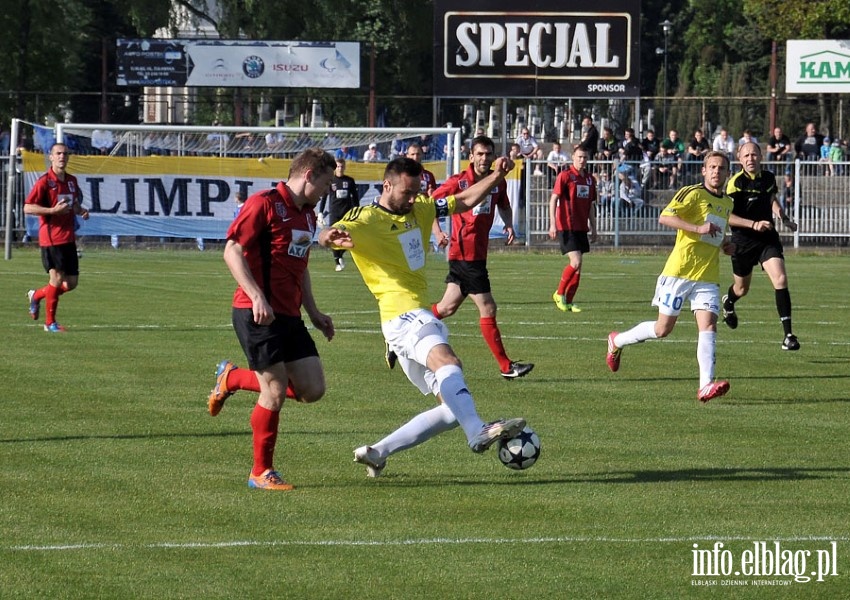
(116, 483)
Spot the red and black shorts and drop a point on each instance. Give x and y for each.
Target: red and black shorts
(285, 340)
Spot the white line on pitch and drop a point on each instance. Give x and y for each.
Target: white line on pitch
(428, 542)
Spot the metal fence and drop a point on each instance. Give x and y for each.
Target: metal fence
(818, 199)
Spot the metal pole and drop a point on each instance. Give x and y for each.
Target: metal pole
(10, 185)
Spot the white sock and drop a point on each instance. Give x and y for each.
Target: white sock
(419, 429)
(637, 334)
(457, 397)
(706, 342)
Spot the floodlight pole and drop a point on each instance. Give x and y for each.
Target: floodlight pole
(667, 26)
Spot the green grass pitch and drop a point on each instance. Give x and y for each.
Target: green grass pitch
(116, 483)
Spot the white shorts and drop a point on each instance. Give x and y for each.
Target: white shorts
(412, 336)
(671, 293)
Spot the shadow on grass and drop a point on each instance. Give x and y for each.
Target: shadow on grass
(636, 477)
(139, 436)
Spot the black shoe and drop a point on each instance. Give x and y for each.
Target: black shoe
(790, 342)
(518, 370)
(390, 357)
(729, 316)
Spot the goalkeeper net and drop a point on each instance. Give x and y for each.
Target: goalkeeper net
(169, 183)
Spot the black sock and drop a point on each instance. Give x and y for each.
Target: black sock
(783, 307)
(731, 298)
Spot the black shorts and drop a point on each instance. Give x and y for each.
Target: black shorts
(285, 340)
(750, 252)
(471, 276)
(62, 258)
(570, 241)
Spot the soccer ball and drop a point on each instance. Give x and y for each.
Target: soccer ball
(520, 452)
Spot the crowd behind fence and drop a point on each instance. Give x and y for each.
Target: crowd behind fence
(817, 201)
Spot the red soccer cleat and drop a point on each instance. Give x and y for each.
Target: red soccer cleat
(715, 389)
(613, 356)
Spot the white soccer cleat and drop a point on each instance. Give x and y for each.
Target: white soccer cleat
(490, 433)
(367, 455)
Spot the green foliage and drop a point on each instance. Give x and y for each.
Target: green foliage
(116, 483)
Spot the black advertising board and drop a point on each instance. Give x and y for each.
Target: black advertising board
(545, 48)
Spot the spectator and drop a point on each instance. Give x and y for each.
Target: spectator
(604, 188)
(102, 140)
(697, 149)
(779, 147)
(723, 143)
(345, 153)
(808, 145)
(607, 149)
(630, 149)
(372, 154)
(824, 158)
(630, 190)
(529, 148)
(836, 157)
(651, 147)
(555, 162)
(589, 137)
(672, 155)
(747, 137)
(397, 148)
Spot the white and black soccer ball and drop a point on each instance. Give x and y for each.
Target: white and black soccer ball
(520, 452)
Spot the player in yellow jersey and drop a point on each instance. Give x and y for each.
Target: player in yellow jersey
(701, 213)
(388, 242)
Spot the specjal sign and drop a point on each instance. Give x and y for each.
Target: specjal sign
(817, 66)
(557, 49)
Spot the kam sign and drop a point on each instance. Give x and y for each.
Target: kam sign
(552, 51)
(817, 66)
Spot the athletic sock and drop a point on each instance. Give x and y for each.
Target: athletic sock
(493, 337)
(706, 342)
(731, 299)
(419, 429)
(572, 287)
(637, 334)
(456, 396)
(40, 294)
(435, 311)
(51, 304)
(242, 379)
(783, 307)
(264, 424)
(566, 275)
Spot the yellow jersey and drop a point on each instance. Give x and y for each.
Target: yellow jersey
(697, 257)
(390, 250)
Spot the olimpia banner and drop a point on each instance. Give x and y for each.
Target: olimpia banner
(183, 197)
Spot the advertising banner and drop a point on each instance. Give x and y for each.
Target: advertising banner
(238, 63)
(817, 66)
(500, 49)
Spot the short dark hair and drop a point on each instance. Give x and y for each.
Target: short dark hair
(312, 159)
(402, 165)
(482, 140)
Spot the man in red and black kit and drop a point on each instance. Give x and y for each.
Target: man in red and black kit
(55, 199)
(570, 211)
(470, 236)
(268, 245)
